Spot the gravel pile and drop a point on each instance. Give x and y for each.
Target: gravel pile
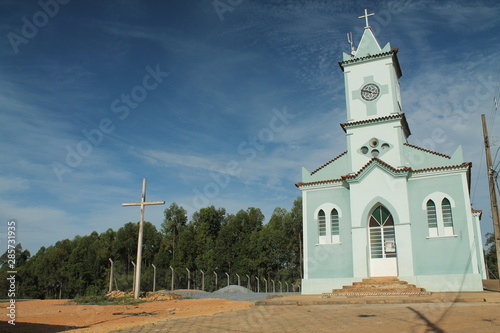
(233, 289)
(231, 292)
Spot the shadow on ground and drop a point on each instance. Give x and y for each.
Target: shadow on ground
(31, 327)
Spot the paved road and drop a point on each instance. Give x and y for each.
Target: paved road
(459, 317)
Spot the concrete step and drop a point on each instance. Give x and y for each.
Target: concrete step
(376, 294)
(378, 286)
(381, 279)
(378, 290)
(402, 283)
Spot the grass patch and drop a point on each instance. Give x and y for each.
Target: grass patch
(104, 300)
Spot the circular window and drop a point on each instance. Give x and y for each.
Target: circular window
(385, 146)
(364, 150)
(375, 152)
(374, 142)
(370, 92)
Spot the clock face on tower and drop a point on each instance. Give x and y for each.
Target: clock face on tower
(370, 92)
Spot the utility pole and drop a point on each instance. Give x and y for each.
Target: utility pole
(493, 193)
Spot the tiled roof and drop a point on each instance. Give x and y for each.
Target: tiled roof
(477, 211)
(330, 161)
(463, 165)
(426, 150)
(374, 56)
(319, 182)
(376, 120)
(377, 160)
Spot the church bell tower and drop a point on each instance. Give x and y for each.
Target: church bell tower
(376, 126)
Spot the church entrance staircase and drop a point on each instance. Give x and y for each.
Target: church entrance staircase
(378, 286)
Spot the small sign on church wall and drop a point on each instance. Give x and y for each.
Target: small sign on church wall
(390, 245)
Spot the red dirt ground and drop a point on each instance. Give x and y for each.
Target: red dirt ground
(45, 316)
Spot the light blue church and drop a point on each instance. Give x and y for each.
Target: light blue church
(385, 207)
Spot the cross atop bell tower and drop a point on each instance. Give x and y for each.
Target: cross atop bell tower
(366, 17)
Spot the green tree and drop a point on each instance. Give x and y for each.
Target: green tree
(205, 226)
(125, 246)
(174, 223)
(293, 231)
(212, 241)
(491, 255)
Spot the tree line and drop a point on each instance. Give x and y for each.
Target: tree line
(213, 242)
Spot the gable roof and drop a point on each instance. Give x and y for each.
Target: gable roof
(398, 172)
(382, 164)
(330, 161)
(421, 158)
(426, 150)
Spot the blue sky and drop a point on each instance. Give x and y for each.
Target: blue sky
(215, 102)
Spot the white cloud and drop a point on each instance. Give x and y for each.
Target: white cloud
(13, 184)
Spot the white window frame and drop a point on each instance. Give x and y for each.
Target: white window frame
(448, 231)
(433, 231)
(327, 209)
(441, 231)
(335, 238)
(322, 238)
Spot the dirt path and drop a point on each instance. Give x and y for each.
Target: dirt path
(47, 316)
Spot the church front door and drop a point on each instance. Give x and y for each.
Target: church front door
(383, 252)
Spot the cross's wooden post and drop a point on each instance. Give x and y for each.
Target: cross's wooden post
(137, 284)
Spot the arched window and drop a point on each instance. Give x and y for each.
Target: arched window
(439, 207)
(447, 217)
(322, 226)
(335, 226)
(328, 217)
(381, 217)
(432, 219)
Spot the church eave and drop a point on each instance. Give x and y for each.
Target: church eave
(477, 212)
(463, 166)
(401, 116)
(392, 53)
(319, 182)
(397, 172)
(401, 172)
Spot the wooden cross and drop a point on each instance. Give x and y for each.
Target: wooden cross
(143, 203)
(366, 17)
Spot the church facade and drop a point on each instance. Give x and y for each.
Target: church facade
(385, 207)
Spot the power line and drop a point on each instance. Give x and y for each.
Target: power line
(495, 177)
(494, 107)
(495, 159)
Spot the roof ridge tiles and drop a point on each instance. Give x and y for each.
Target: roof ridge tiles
(465, 164)
(330, 161)
(365, 121)
(319, 182)
(426, 150)
(378, 160)
(370, 56)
